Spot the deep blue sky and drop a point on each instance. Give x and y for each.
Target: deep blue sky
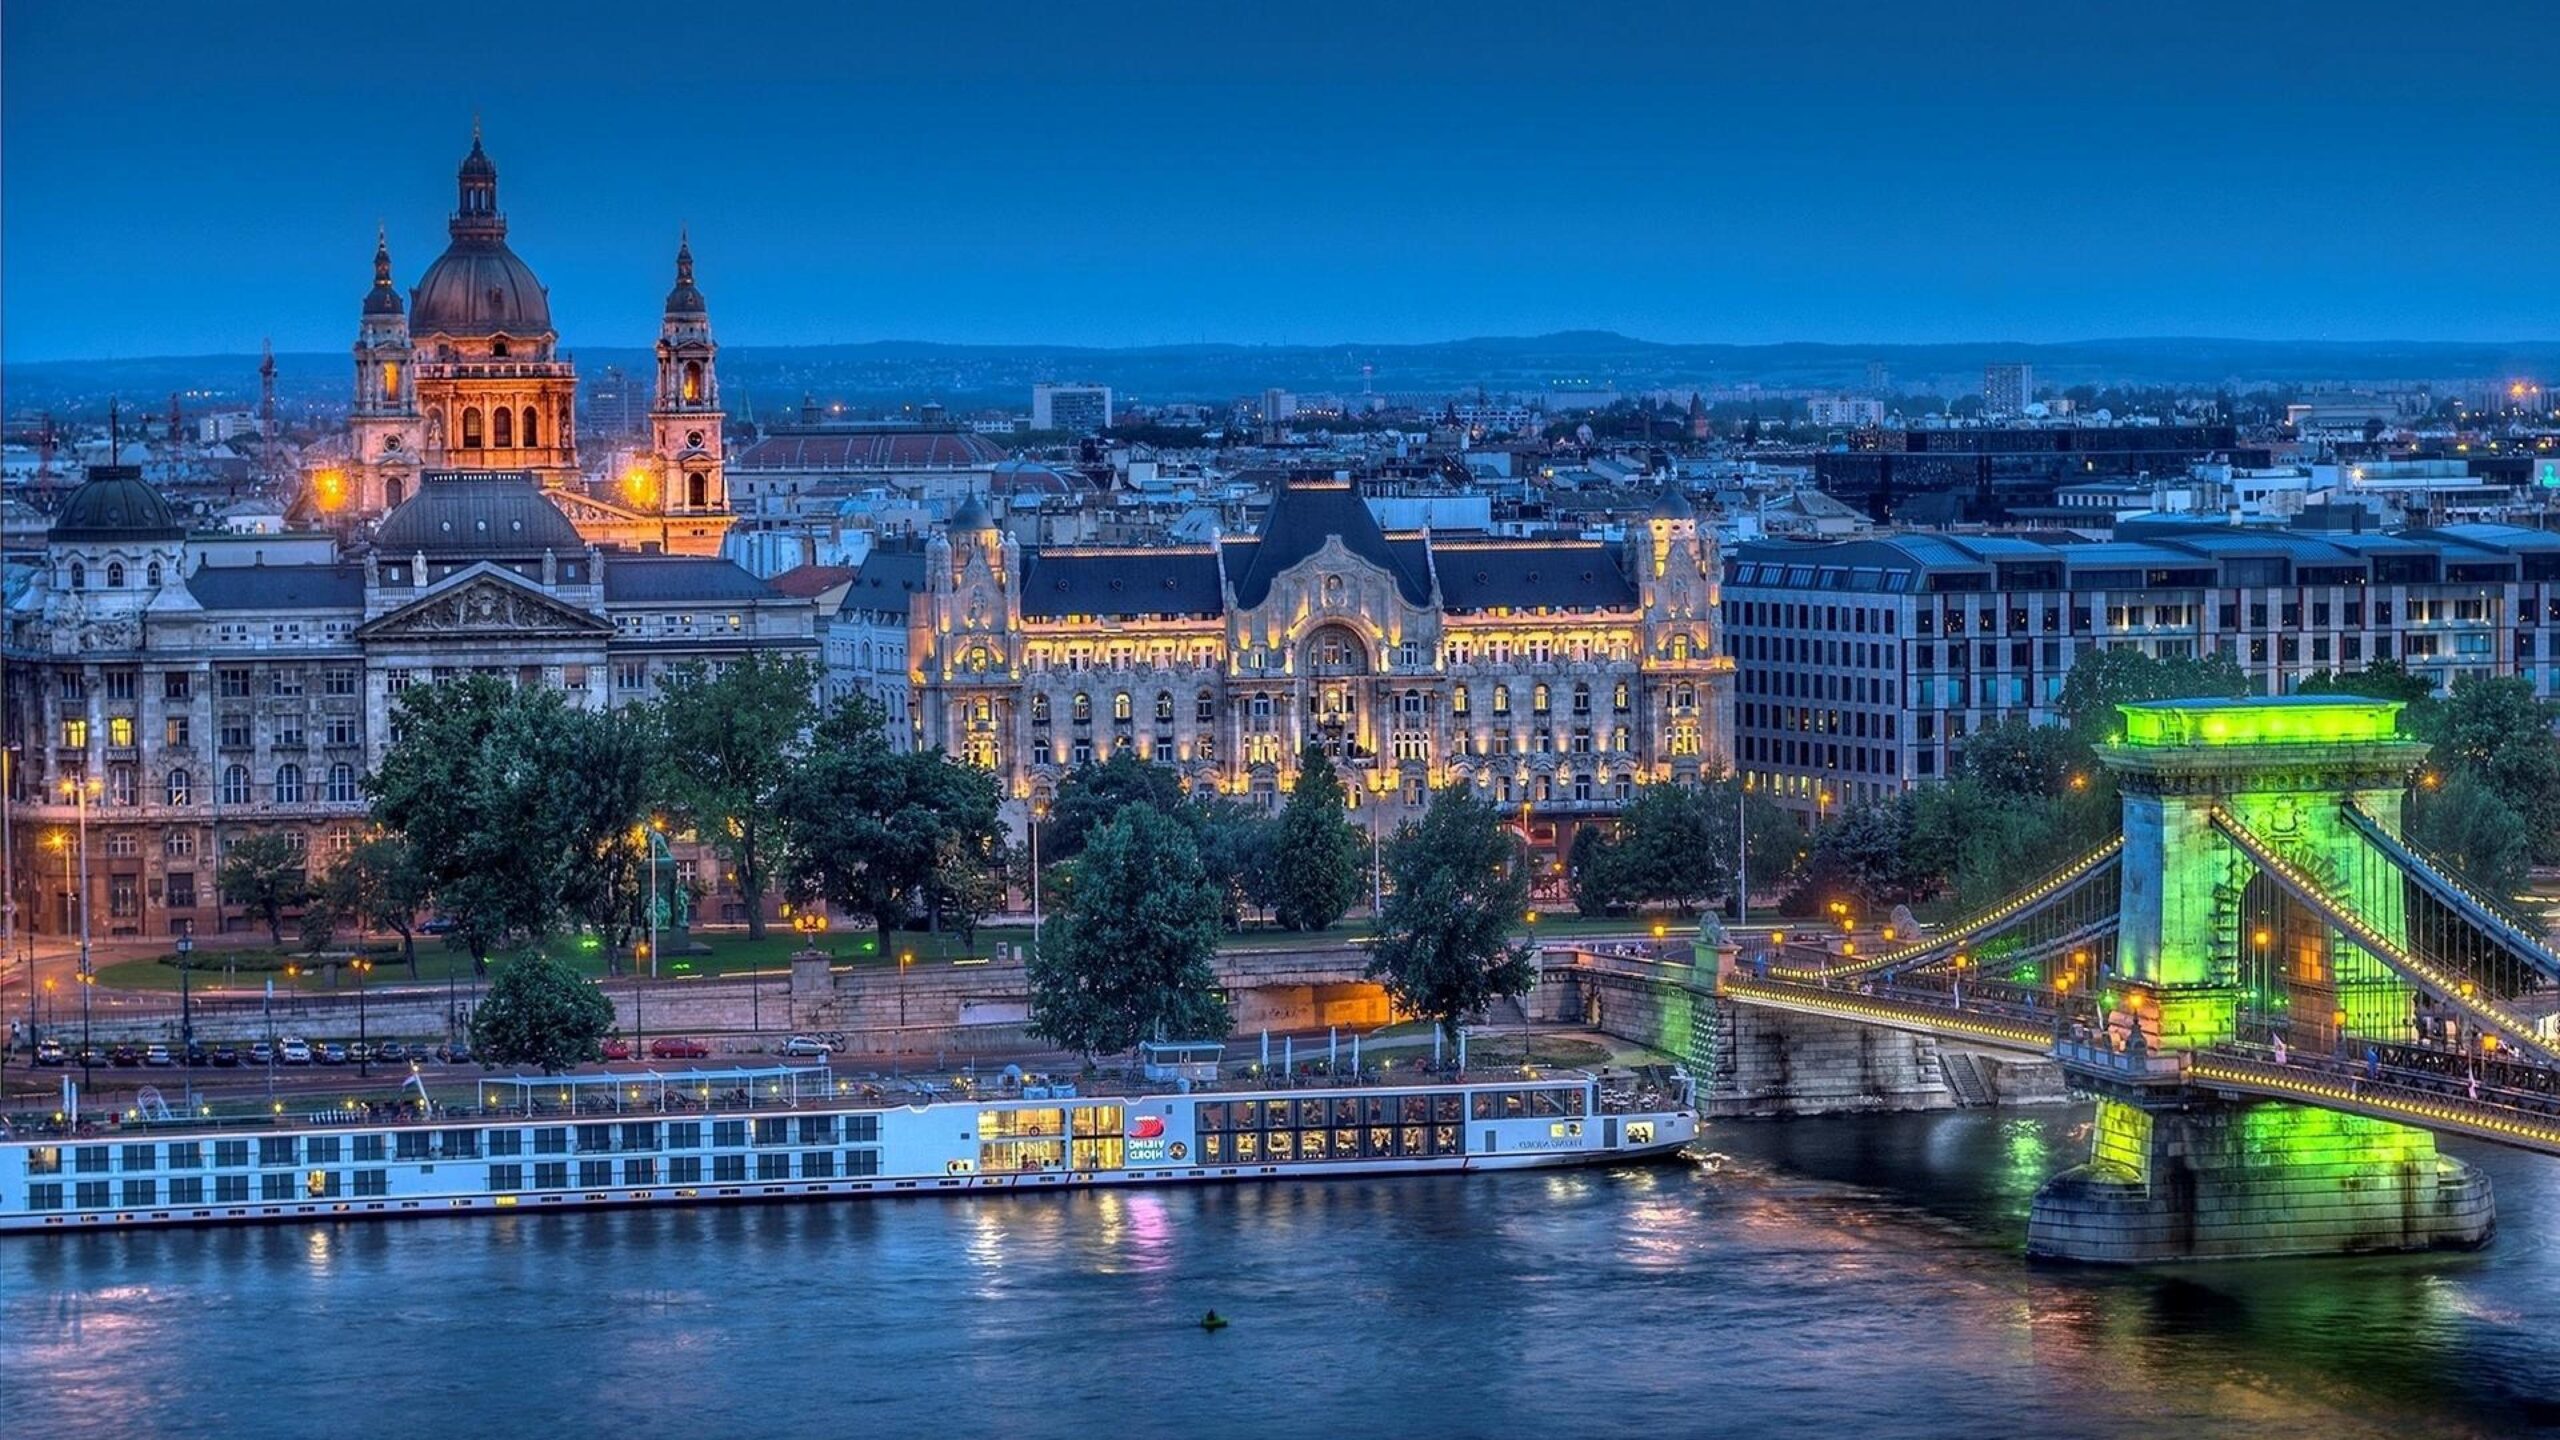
(185, 178)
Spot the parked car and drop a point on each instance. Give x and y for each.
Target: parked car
(330, 1052)
(678, 1047)
(158, 1057)
(226, 1057)
(440, 925)
(50, 1052)
(93, 1055)
(807, 1046)
(125, 1055)
(261, 1053)
(197, 1055)
(391, 1052)
(617, 1048)
(360, 1053)
(293, 1051)
(454, 1052)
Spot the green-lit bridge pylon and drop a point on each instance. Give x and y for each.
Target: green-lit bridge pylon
(2251, 910)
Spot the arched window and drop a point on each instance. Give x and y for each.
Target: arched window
(235, 785)
(288, 784)
(692, 389)
(1164, 705)
(1581, 698)
(393, 492)
(151, 576)
(983, 711)
(1205, 707)
(471, 427)
(1120, 705)
(115, 574)
(1540, 700)
(1683, 697)
(1679, 647)
(697, 489)
(79, 576)
(502, 428)
(1084, 708)
(1618, 702)
(390, 379)
(531, 427)
(342, 784)
(1501, 699)
(1039, 709)
(1459, 703)
(498, 347)
(182, 788)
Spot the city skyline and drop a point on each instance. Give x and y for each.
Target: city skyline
(1390, 180)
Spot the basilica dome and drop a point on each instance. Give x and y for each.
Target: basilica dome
(478, 286)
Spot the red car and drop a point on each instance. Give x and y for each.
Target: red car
(617, 1049)
(678, 1047)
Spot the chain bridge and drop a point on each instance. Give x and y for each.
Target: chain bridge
(2278, 1000)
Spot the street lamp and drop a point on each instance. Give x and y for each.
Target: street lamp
(186, 1008)
(80, 790)
(364, 1046)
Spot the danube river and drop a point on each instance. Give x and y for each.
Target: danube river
(1849, 1277)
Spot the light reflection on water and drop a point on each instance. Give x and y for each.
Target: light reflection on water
(1859, 1275)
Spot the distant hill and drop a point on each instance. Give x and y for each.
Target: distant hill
(906, 371)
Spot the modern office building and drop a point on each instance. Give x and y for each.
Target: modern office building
(1863, 665)
(2007, 389)
(1081, 409)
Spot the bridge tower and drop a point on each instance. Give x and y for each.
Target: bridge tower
(2176, 1174)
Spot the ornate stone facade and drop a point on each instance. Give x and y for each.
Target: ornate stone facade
(1555, 676)
(212, 700)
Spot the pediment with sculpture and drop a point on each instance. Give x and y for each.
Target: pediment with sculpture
(485, 603)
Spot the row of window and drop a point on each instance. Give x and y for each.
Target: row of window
(682, 1170)
(288, 1151)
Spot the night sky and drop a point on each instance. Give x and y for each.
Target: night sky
(187, 178)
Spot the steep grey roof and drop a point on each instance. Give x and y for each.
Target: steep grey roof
(1304, 513)
(278, 587)
(467, 512)
(670, 579)
(1120, 582)
(1561, 575)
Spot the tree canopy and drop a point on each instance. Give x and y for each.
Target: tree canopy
(1444, 947)
(879, 832)
(1128, 957)
(2101, 680)
(379, 886)
(731, 739)
(1091, 795)
(538, 1011)
(1316, 861)
(263, 874)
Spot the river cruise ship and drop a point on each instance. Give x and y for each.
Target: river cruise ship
(793, 1133)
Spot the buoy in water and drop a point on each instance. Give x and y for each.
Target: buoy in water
(1213, 1321)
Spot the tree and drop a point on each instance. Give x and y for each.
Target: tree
(263, 874)
(2015, 757)
(2123, 675)
(2467, 827)
(1316, 866)
(1236, 846)
(319, 924)
(538, 1011)
(470, 785)
(1091, 794)
(1867, 853)
(1444, 945)
(1676, 841)
(868, 828)
(600, 799)
(968, 884)
(2381, 680)
(379, 886)
(1128, 957)
(731, 739)
(1590, 868)
(2495, 730)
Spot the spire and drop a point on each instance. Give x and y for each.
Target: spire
(684, 299)
(475, 214)
(383, 299)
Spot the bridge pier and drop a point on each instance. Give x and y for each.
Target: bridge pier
(2200, 1179)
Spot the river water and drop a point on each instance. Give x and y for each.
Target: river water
(1856, 1277)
